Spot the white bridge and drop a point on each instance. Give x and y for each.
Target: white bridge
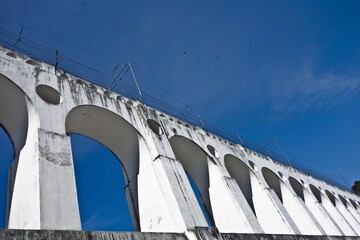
(242, 191)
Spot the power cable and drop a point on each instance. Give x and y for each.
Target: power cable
(180, 113)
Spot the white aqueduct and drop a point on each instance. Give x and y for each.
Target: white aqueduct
(242, 191)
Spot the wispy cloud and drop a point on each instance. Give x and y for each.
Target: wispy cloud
(305, 90)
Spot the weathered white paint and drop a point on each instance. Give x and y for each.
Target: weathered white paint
(155, 150)
(321, 215)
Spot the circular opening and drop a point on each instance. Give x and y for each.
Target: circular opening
(119, 98)
(213, 151)
(302, 181)
(155, 127)
(48, 94)
(79, 82)
(31, 62)
(11, 54)
(92, 86)
(252, 165)
(353, 203)
(107, 93)
(64, 75)
(281, 175)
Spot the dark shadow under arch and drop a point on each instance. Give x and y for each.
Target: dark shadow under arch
(241, 173)
(14, 120)
(297, 187)
(331, 197)
(343, 200)
(316, 192)
(273, 181)
(194, 160)
(354, 204)
(13, 113)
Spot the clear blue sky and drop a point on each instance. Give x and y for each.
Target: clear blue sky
(284, 70)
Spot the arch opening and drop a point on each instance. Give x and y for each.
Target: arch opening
(253, 166)
(343, 200)
(99, 124)
(273, 181)
(353, 203)
(297, 187)
(14, 121)
(331, 197)
(6, 158)
(100, 183)
(194, 162)
(48, 94)
(241, 173)
(200, 200)
(316, 192)
(213, 151)
(13, 113)
(155, 127)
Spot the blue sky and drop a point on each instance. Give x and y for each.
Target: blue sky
(284, 70)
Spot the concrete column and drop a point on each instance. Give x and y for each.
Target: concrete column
(132, 201)
(44, 190)
(270, 212)
(166, 200)
(231, 211)
(58, 197)
(354, 212)
(24, 188)
(302, 217)
(322, 216)
(348, 216)
(336, 215)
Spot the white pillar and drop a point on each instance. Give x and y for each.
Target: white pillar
(230, 209)
(166, 200)
(321, 215)
(303, 219)
(270, 212)
(336, 215)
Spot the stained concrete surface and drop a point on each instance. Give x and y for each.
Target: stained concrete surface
(199, 233)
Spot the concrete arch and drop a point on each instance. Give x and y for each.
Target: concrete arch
(341, 207)
(195, 162)
(316, 193)
(297, 187)
(13, 113)
(313, 203)
(342, 224)
(293, 204)
(273, 181)
(223, 199)
(331, 197)
(343, 200)
(241, 173)
(123, 140)
(353, 203)
(20, 120)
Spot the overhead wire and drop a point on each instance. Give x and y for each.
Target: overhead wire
(182, 113)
